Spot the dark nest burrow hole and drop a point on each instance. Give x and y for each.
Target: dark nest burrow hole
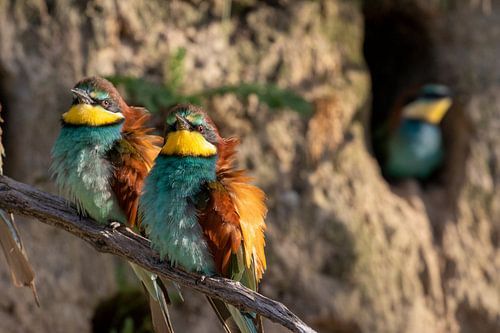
(401, 54)
(398, 50)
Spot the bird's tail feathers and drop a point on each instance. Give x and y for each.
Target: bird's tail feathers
(158, 299)
(234, 320)
(172, 289)
(21, 272)
(223, 315)
(159, 315)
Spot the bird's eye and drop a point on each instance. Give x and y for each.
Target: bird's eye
(105, 103)
(200, 129)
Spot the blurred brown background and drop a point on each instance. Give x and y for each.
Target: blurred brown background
(347, 251)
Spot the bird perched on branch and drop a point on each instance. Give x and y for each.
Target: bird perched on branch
(100, 160)
(202, 214)
(411, 142)
(21, 271)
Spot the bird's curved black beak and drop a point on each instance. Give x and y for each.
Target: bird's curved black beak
(182, 124)
(82, 96)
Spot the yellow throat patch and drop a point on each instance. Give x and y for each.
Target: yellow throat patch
(187, 143)
(432, 112)
(90, 115)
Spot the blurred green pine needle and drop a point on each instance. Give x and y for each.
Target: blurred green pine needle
(174, 71)
(156, 97)
(269, 94)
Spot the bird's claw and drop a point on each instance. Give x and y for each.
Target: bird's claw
(115, 225)
(201, 279)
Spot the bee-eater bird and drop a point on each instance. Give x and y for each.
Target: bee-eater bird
(21, 271)
(202, 214)
(412, 144)
(100, 160)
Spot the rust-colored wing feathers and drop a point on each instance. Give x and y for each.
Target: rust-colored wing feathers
(249, 203)
(132, 158)
(235, 213)
(221, 226)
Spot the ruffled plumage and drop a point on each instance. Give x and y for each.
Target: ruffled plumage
(235, 214)
(201, 213)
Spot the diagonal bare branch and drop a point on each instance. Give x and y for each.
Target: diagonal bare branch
(26, 200)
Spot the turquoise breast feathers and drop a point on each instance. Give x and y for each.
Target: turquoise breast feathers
(80, 169)
(168, 212)
(415, 150)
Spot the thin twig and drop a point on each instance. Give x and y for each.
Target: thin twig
(25, 200)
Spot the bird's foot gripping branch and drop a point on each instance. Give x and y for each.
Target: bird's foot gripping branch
(23, 199)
